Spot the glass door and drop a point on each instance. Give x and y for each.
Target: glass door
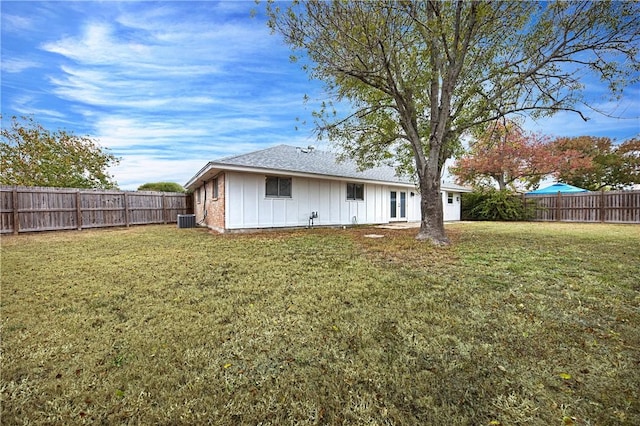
(394, 204)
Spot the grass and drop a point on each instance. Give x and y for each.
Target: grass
(529, 323)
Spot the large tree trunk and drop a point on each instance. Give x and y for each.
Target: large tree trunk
(432, 222)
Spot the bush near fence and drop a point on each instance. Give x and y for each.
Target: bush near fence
(32, 209)
(493, 204)
(602, 206)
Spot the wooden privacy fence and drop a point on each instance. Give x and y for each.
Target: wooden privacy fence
(603, 206)
(30, 209)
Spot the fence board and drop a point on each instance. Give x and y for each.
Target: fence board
(31, 209)
(603, 206)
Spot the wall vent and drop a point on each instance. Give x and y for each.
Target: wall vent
(186, 221)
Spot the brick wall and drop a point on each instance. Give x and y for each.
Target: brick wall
(204, 199)
(215, 205)
(198, 204)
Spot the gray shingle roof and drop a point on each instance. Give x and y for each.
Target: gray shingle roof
(287, 158)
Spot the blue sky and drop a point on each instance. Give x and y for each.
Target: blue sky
(168, 86)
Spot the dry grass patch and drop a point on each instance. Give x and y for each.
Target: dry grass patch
(512, 324)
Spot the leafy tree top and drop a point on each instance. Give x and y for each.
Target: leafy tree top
(503, 154)
(32, 155)
(161, 187)
(614, 166)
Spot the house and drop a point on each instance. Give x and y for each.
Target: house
(285, 186)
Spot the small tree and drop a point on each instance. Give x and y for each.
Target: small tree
(161, 187)
(31, 155)
(504, 154)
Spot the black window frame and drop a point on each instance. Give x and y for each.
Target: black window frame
(355, 191)
(282, 186)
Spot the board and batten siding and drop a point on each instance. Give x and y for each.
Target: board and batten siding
(247, 206)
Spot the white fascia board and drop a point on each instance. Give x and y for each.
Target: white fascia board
(194, 179)
(203, 174)
(456, 188)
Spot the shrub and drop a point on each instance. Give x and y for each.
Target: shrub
(161, 187)
(494, 204)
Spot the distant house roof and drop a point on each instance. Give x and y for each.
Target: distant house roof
(555, 188)
(294, 160)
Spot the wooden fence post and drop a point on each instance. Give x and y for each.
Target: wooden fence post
(524, 207)
(79, 210)
(126, 210)
(558, 210)
(602, 205)
(16, 213)
(164, 208)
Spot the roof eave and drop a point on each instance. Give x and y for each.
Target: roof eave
(250, 169)
(191, 184)
(456, 188)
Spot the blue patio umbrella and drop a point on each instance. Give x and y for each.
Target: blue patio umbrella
(557, 187)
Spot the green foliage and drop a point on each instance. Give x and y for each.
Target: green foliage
(161, 187)
(31, 155)
(614, 166)
(494, 204)
(504, 153)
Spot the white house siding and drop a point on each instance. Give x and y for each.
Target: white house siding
(247, 206)
(451, 211)
(413, 206)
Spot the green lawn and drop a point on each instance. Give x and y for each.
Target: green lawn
(528, 323)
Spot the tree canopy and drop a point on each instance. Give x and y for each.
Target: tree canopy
(614, 166)
(31, 155)
(419, 75)
(161, 187)
(504, 154)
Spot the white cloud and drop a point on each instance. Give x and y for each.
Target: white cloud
(121, 132)
(135, 170)
(168, 86)
(96, 46)
(162, 67)
(27, 105)
(15, 24)
(571, 124)
(16, 65)
(615, 118)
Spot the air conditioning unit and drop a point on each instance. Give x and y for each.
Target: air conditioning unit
(186, 221)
